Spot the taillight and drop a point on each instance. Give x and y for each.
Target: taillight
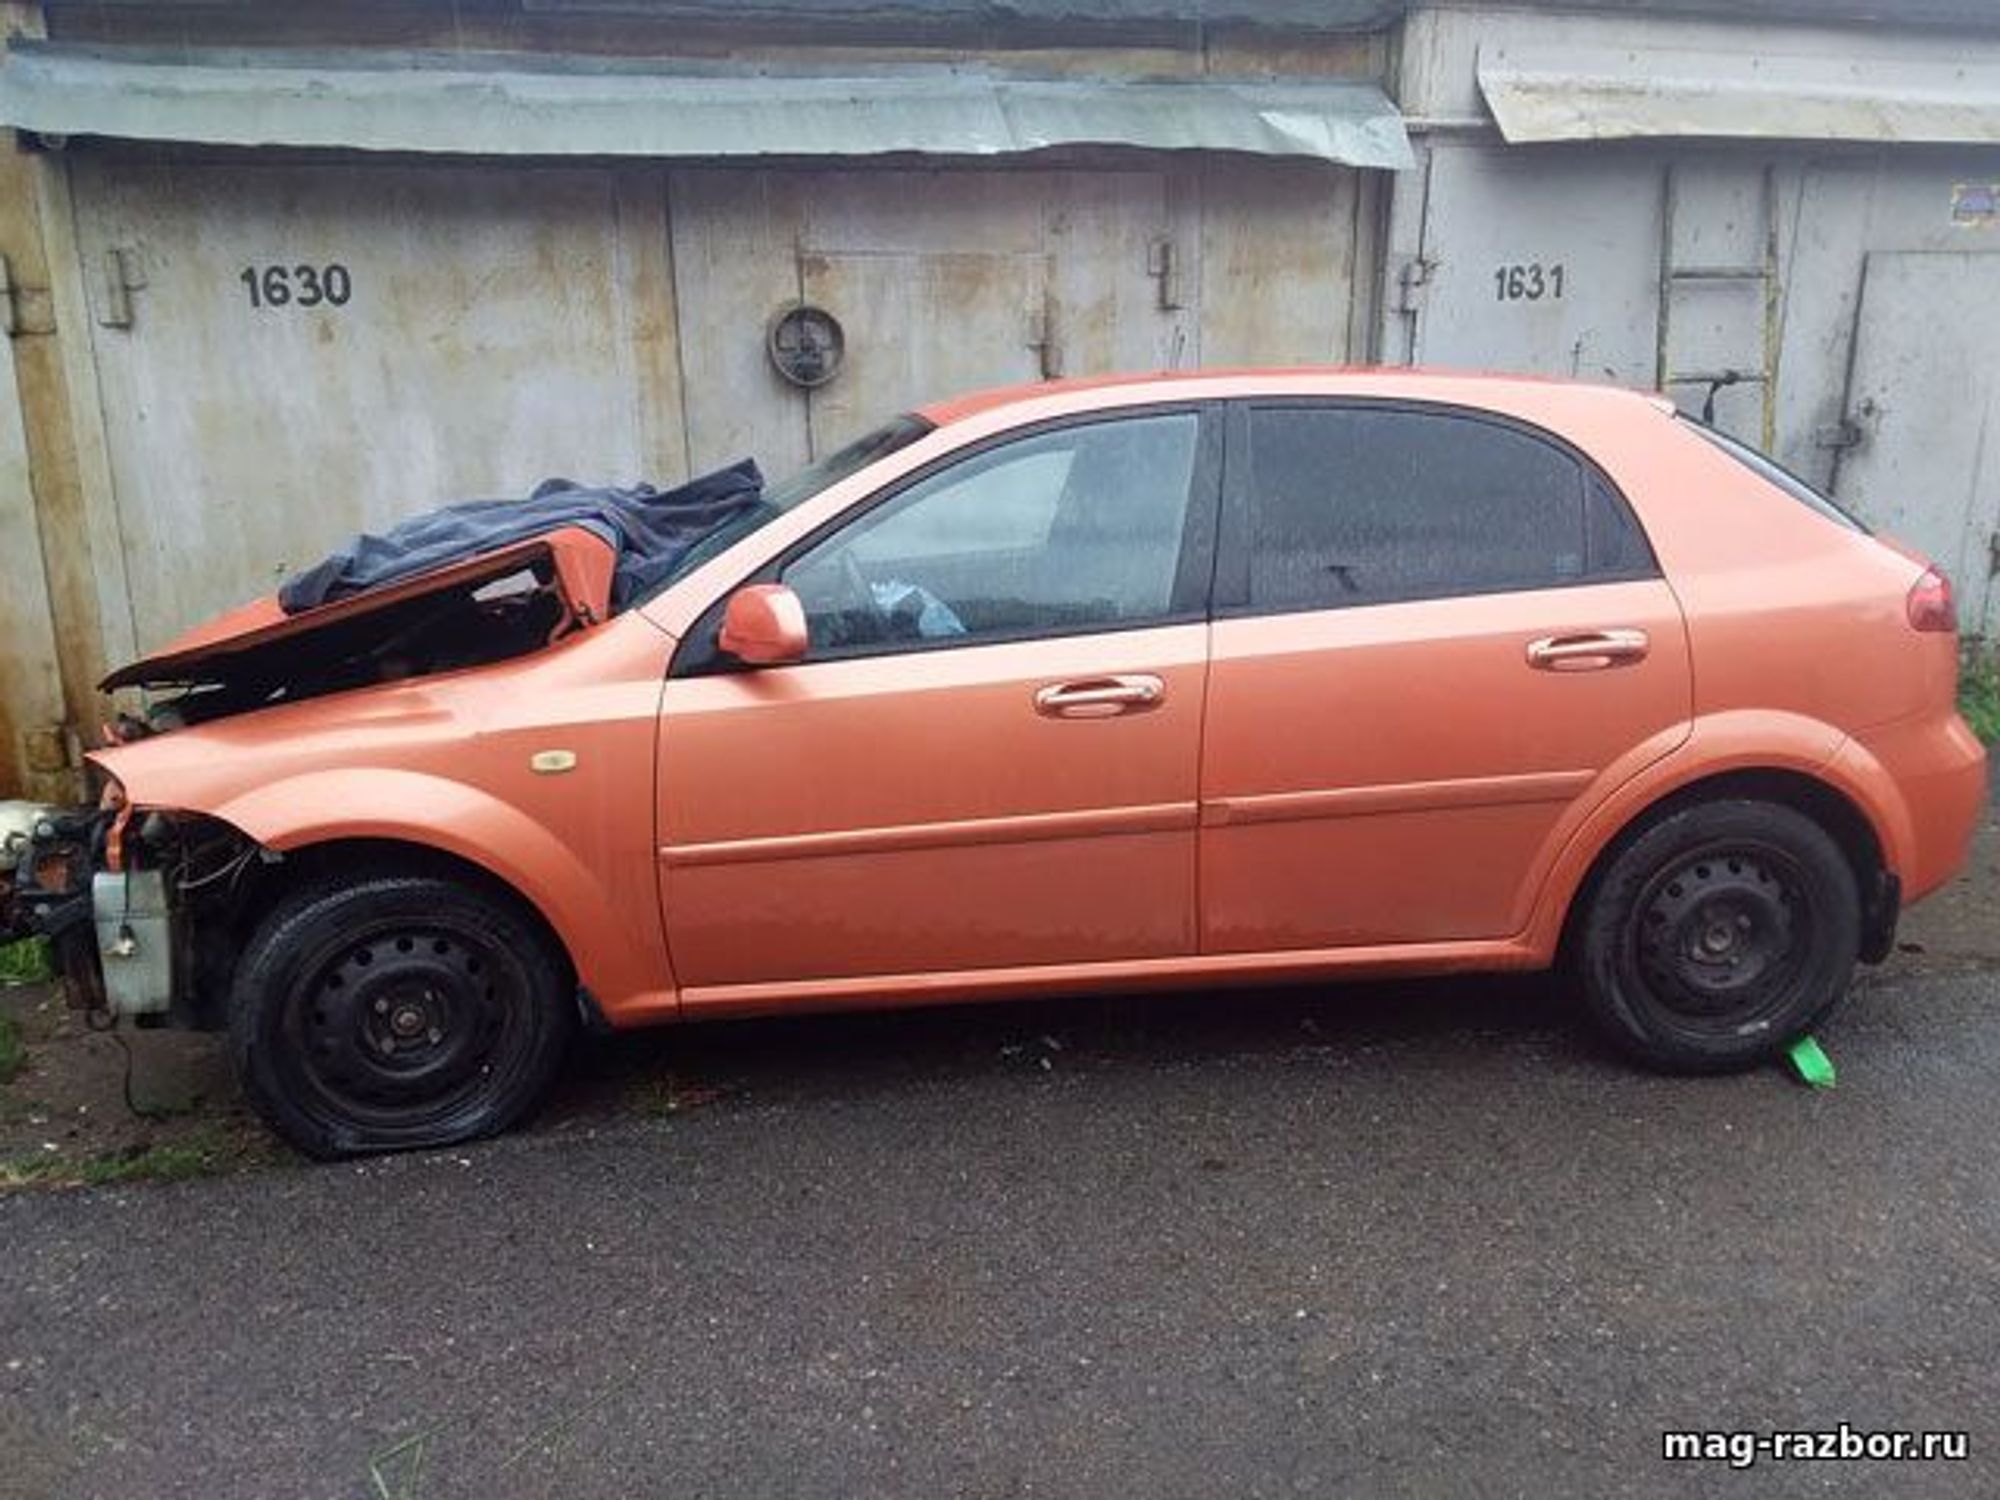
(1930, 604)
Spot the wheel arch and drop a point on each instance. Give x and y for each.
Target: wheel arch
(1796, 759)
(1832, 808)
(330, 858)
(385, 818)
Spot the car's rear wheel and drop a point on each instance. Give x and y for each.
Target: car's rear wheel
(386, 1012)
(1718, 936)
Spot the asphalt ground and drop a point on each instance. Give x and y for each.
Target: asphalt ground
(1421, 1240)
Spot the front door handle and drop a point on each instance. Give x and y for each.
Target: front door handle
(1100, 697)
(1590, 651)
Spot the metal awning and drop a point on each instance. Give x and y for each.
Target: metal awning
(1594, 94)
(494, 105)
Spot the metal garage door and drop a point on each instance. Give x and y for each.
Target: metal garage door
(31, 699)
(288, 353)
(943, 281)
(1545, 262)
(946, 280)
(1924, 400)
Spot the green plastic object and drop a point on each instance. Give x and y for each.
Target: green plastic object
(1810, 1062)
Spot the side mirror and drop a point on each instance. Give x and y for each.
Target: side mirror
(764, 625)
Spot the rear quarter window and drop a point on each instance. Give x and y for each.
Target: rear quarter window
(1777, 475)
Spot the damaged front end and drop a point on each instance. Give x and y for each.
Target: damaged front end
(143, 906)
(133, 904)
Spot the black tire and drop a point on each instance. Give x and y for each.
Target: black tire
(1718, 936)
(380, 1012)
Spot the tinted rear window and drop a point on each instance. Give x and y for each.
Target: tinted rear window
(1775, 473)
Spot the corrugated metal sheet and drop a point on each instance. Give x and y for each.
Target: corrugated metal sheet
(1981, 14)
(966, 16)
(1288, 15)
(577, 107)
(1558, 93)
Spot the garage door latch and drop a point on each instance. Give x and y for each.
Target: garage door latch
(123, 275)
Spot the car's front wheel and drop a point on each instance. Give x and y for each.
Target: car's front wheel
(382, 1012)
(1718, 936)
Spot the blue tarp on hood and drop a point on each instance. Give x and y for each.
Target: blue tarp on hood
(649, 529)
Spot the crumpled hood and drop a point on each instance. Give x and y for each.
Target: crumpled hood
(256, 640)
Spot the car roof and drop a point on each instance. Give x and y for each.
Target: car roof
(1464, 387)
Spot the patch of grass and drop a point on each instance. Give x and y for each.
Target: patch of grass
(1979, 693)
(25, 962)
(198, 1155)
(13, 1051)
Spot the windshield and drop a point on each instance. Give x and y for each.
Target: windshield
(821, 474)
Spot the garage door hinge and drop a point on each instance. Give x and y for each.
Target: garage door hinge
(123, 275)
(1163, 264)
(24, 309)
(1045, 339)
(1413, 279)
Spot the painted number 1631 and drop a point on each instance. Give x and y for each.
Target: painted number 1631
(1527, 283)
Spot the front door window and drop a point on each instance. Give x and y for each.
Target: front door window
(1072, 530)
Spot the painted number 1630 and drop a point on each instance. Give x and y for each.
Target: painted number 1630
(329, 285)
(1527, 283)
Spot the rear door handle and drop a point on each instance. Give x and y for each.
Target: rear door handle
(1590, 651)
(1100, 697)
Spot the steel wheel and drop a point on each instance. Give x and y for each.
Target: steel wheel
(397, 1027)
(383, 1012)
(1716, 935)
(1721, 935)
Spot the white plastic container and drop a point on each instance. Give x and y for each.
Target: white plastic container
(134, 941)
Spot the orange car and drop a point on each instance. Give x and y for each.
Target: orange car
(1175, 680)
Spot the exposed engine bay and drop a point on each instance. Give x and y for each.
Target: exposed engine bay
(464, 586)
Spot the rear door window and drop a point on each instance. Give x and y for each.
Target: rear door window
(1352, 504)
